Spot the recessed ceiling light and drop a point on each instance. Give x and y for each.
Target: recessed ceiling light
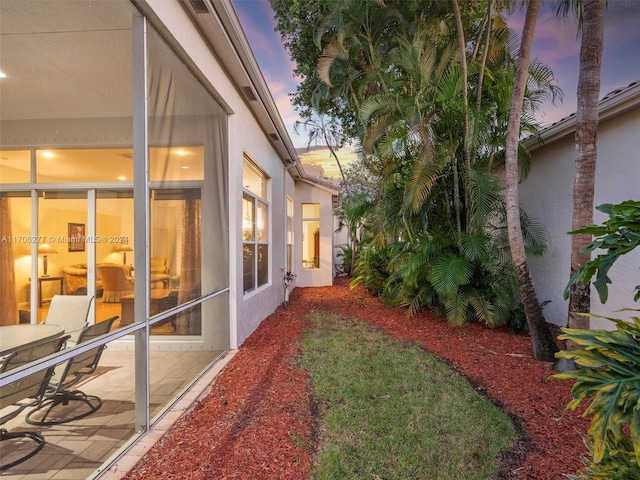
(3, 75)
(47, 154)
(122, 178)
(185, 167)
(180, 152)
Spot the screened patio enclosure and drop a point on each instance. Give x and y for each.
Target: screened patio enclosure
(113, 185)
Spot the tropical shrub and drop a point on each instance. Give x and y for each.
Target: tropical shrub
(618, 235)
(609, 381)
(609, 377)
(616, 464)
(370, 268)
(467, 277)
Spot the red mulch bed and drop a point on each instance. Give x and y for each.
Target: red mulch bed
(259, 420)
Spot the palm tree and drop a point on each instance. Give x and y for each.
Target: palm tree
(406, 69)
(586, 154)
(544, 346)
(462, 45)
(438, 259)
(355, 35)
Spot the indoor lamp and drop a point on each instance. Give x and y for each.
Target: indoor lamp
(124, 248)
(45, 249)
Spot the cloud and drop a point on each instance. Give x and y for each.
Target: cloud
(556, 44)
(280, 92)
(556, 38)
(258, 23)
(280, 86)
(277, 68)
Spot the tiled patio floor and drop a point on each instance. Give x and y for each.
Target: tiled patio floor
(76, 449)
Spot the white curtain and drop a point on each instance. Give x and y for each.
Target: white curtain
(182, 112)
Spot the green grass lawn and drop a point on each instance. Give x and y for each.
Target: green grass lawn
(389, 410)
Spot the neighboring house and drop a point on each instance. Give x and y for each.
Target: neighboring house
(323, 169)
(546, 195)
(146, 129)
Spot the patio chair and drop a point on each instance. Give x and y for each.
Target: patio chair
(24, 393)
(68, 374)
(70, 312)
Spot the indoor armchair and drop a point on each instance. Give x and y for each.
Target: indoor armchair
(116, 281)
(159, 271)
(75, 279)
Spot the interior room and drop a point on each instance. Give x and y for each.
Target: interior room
(63, 236)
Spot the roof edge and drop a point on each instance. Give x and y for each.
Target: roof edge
(263, 101)
(611, 105)
(318, 183)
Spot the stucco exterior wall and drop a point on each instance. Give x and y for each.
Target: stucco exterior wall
(547, 195)
(314, 277)
(253, 307)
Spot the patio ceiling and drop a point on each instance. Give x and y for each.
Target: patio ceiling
(61, 62)
(35, 53)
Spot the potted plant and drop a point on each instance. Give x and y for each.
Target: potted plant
(287, 280)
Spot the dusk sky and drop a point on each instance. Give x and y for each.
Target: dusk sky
(556, 45)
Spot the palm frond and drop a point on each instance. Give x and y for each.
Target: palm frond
(330, 53)
(535, 235)
(479, 305)
(456, 309)
(486, 196)
(502, 313)
(474, 247)
(384, 102)
(449, 273)
(424, 176)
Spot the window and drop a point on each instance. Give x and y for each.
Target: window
(15, 166)
(310, 235)
(289, 235)
(255, 235)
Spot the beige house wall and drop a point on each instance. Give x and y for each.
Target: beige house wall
(322, 276)
(547, 195)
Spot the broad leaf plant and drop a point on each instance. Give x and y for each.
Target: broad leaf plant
(609, 375)
(609, 381)
(618, 235)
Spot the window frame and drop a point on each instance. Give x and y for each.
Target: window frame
(290, 237)
(259, 243)
(312, 263)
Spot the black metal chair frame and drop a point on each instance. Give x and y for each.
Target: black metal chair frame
(26, 392)
(70, 373)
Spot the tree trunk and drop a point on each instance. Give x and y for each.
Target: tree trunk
(586, 154)
(485, 53)
(544, 346)
(462, 46)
